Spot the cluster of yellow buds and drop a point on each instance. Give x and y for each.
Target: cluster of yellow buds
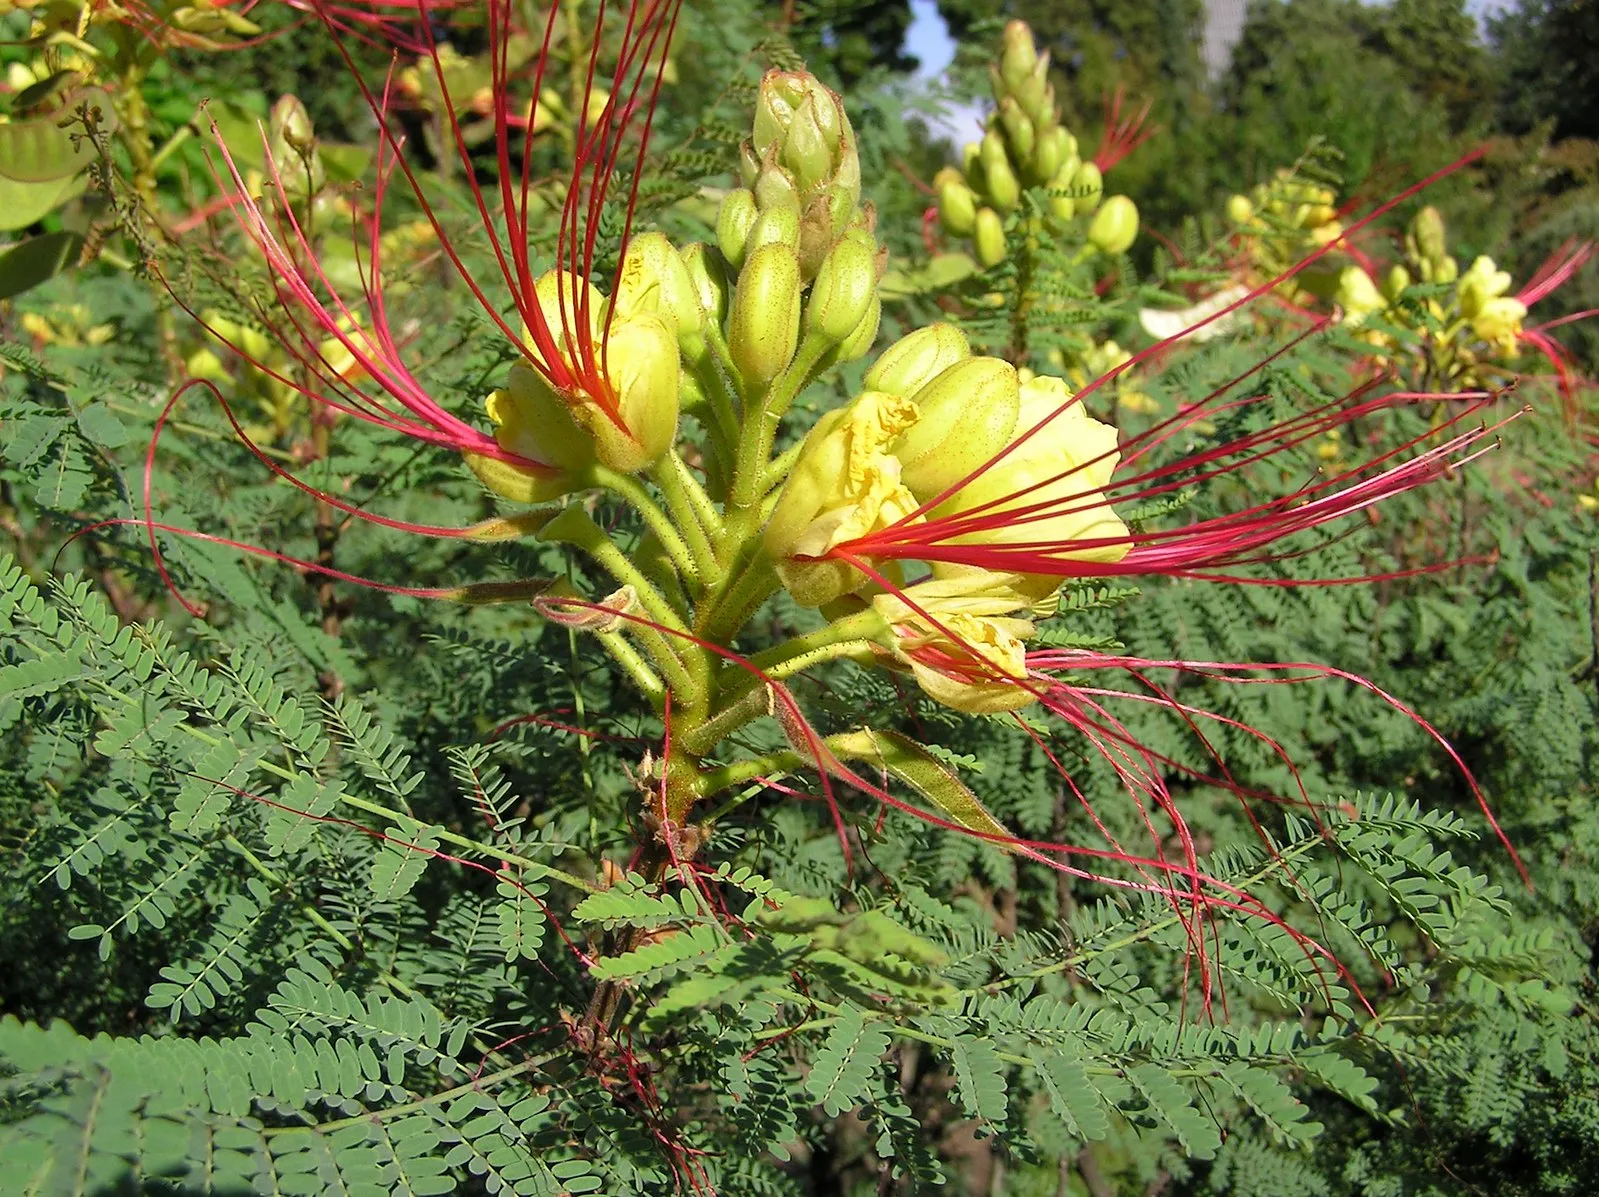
(798, 222)
(1281, 221)
(1025, 145)
(1463, 334)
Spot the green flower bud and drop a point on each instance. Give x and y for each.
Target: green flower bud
(1115, 226)
(645, 374)
(1445, 270)
(708, 279)
(1019, 55)
(859, 342)
(1034, 93)
(1090, 186)
(801, 126)
(1428, 231)
(971, 152)
(779, 226)
(1395, 282)
(967, 416)
(292, 147)
(914, 360)
(1063, 207)
(843, 290)
(749, 163)
(998, 178)
(775, 188)
(733, 224)
(989, 238)
(829, 215)
(763, 329)
(1240, 211)
(1018, 128)
(957, 208)
(1049, 154)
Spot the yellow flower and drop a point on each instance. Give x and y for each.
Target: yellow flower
(844, 485)
(959, 640)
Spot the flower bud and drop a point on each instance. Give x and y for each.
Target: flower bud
(843, 290)
(733, 224)
(859, 342)
(654, 281)
(644, 372)
(989, 238)
(1048, 155)
(1090, 186)
(763, 329)
(832, 210)
(801, 125)
(708, 279)
(1358, 295)
(967, 415)
(774, 226)
(971, 152)
(998, 178)
(1034, 93)
(1240, 211)
(1428, 231)
(1064, 206)
(1018, 128)
(1395, 282)
(1115, 226)
(914, 360)
(957, 208)
(292, 149)
(1019, 55)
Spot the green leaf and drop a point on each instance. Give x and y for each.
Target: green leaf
(1169, 1102)
(36, 260)
(842, 1071)
(23, 203)
(41, 150)
(1073, 1097)
(398, 865)
(979, 1078)
(919, 769)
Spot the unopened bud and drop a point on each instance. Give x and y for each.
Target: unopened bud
(292, 149)
(1048, 155)
(1240, 211)
(859, 342)
(763, 330)
(1395, 282)
(733, 224)
(989, 238)
(774, 226)
(1018, 128)
(1115, 226)
(843, 290)
(1063, 205)
(653, 280)
(1019, 55)
(1428, 230)
(291, 124)
(914, 360)
(967, 415)
(999, 179)
(708, 279)
(957, 208)
(1090, 186)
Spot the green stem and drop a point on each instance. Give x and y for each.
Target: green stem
(629, 489)
(742, 595)
(786, 760)
(691, 508)
(862, 625)
(635, 666)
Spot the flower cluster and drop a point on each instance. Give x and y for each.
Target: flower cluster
(1025, 145)
(1456, 329)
